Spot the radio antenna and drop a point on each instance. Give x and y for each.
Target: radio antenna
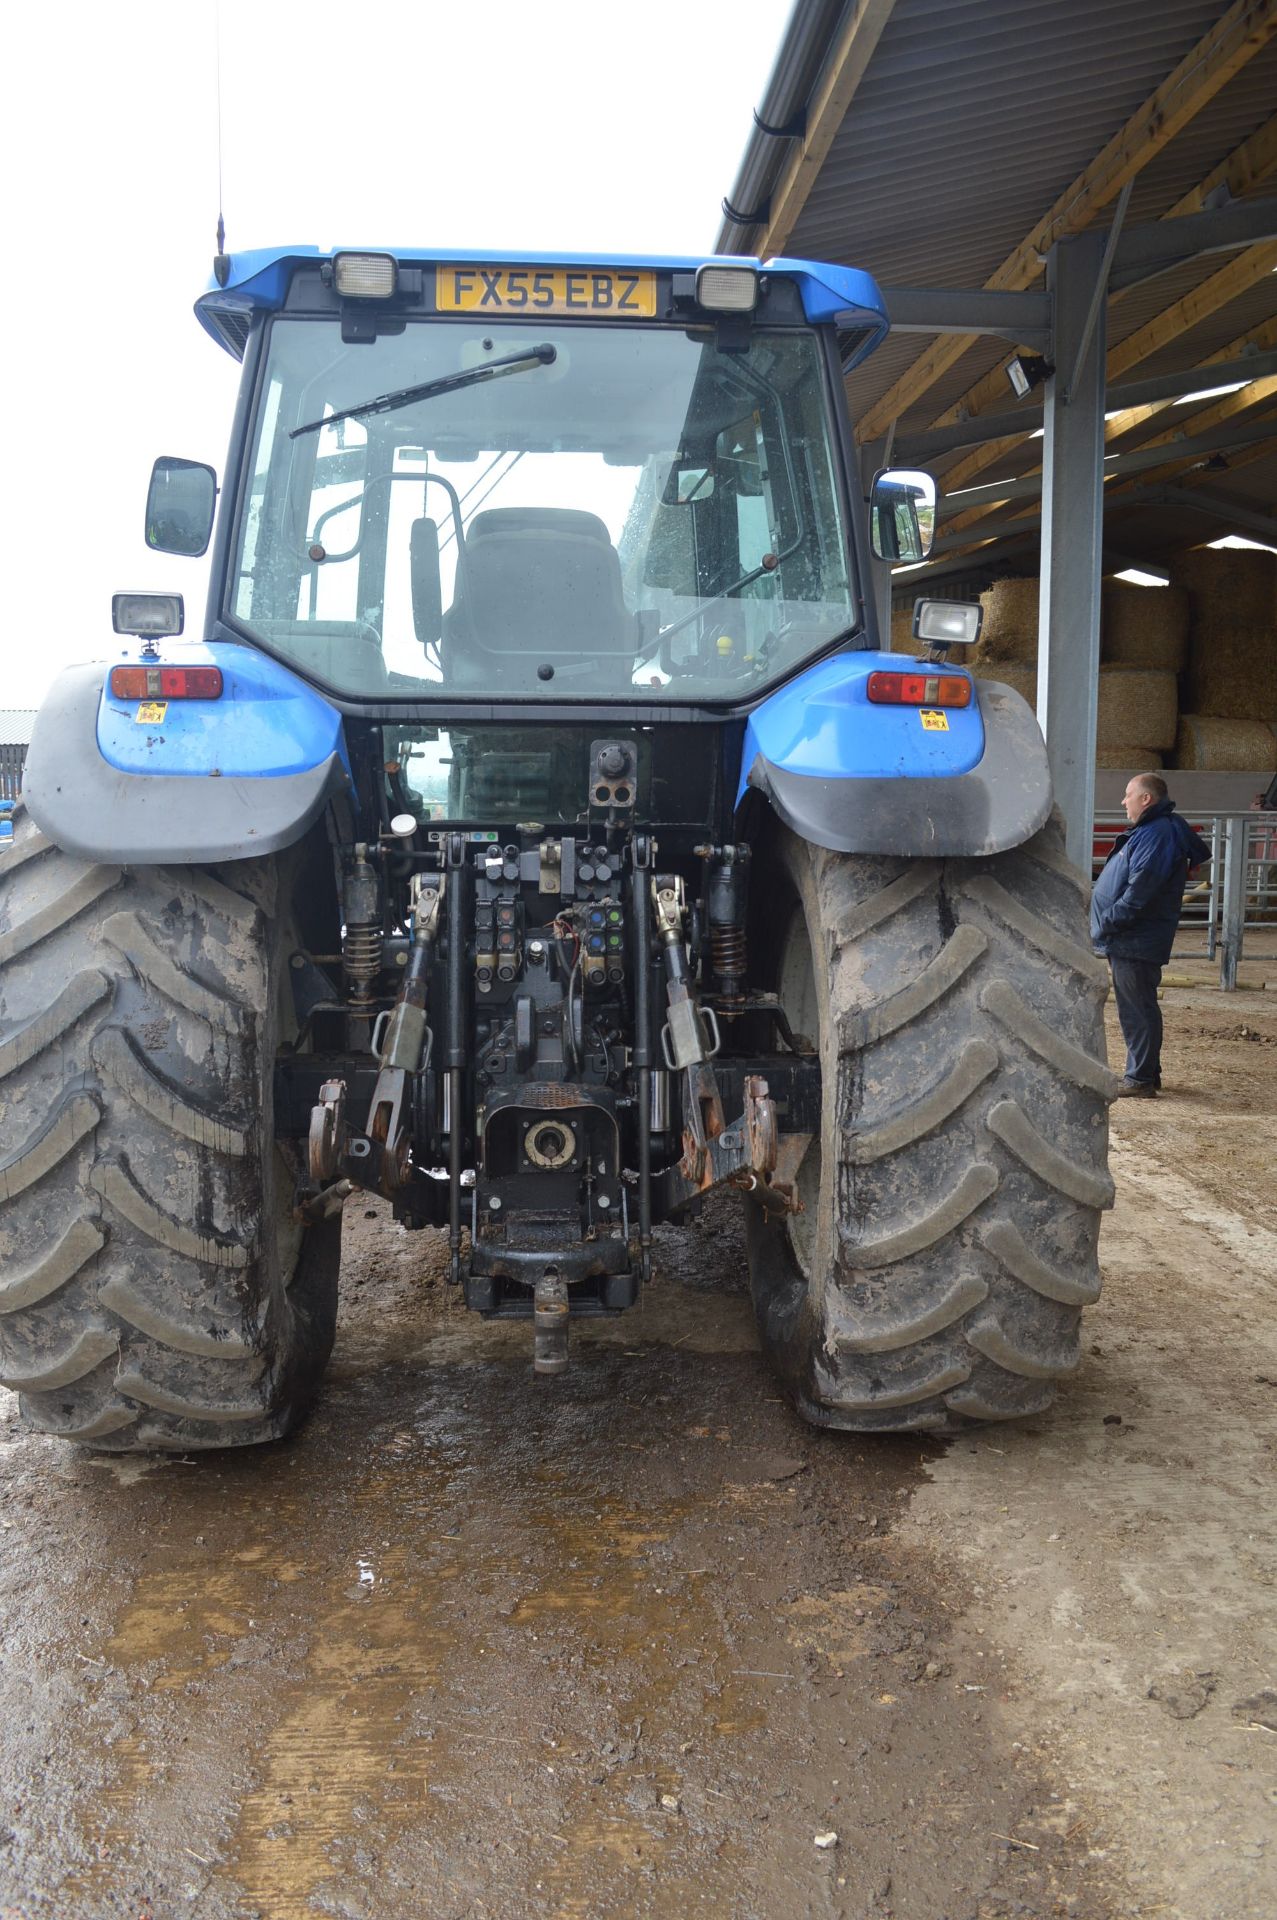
(221, 259)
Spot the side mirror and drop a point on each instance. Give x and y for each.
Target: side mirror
(179, 506)
(902, 514)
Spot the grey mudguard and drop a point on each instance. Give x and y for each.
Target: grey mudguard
(90, 808)
(1001, 803)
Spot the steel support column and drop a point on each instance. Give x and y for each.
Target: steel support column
(1072, 538)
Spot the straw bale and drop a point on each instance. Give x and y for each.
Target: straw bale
(1232, 672)
(1207, 744)
(1232, 656)
(1229, 586)
(902, 640)
(1144, 626)
(1010, 630)
(1132, 759)
(1136, 703)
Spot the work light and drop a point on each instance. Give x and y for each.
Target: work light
(727, 289)
(365, 276)
(154, 615)
(947, 623)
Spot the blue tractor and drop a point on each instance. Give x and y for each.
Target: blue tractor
(535, 836)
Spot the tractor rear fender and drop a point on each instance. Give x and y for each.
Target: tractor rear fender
(855, 777)
(138, 782)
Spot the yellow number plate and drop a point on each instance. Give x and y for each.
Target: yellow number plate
(934, 722)
(151, 713)
(612, 292)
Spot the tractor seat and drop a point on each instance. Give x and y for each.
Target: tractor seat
(543, 583)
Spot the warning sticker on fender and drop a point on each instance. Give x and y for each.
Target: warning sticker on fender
(151, 713)
(934, 722)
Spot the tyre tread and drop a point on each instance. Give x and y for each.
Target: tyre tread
(183, 1334)
(861, 1027)
(1039, 932)
(1009, 1248)
(914, 1236)
(127, 933)
(931, 1109)
(150, 1393)
(52, 1269)
(991, 1339)
(1016, 1131)
(86, 1352)
(115, 1054)
(58, 912)
(926, 1307)
(87, 990)
(909, 1393)
(116, 1185)
(875, 1333)
(1000, 999)
(154, 1291)
(74, 1116)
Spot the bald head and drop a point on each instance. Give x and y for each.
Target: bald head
(1143, 790)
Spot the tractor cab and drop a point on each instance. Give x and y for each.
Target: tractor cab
(540, 482)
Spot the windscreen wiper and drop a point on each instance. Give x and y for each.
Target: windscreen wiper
(543, 355)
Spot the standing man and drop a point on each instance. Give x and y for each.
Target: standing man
(1135, 908)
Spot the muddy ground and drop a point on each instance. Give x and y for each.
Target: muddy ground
(627, 1642)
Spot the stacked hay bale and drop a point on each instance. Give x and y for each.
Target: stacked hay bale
(1010, 627)
(1136, 718)
(1144, 626)
(1206, 745)
(1142, 647)
(1230, 684)
(1007, 649)
(902, 640)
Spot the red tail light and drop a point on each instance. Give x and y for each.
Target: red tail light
(919, 689)
(166, 683)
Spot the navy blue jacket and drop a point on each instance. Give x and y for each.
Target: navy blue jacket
(1135, 905)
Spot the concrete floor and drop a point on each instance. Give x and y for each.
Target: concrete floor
(626, 1643)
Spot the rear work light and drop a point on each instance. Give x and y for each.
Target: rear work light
(919, 689)
(727, 289)
(166, 683)
(148, 615)
(366, 276)
(944, 623)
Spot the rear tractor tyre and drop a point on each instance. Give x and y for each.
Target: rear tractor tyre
(155, 1289)
(953, 1196)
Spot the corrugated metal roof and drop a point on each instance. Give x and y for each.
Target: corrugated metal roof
(15, 726)
(970, 120)
(973, 117)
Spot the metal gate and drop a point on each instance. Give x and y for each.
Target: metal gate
(12, 758)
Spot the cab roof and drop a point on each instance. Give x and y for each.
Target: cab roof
(257, 281)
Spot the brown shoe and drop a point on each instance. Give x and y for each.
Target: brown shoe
(1136, 1090)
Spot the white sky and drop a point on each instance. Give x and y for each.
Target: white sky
(581, 125)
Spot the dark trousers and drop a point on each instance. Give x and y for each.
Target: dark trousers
(1140, 1016)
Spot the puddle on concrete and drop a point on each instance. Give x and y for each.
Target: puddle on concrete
(472, 1647)
(407, 1689)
